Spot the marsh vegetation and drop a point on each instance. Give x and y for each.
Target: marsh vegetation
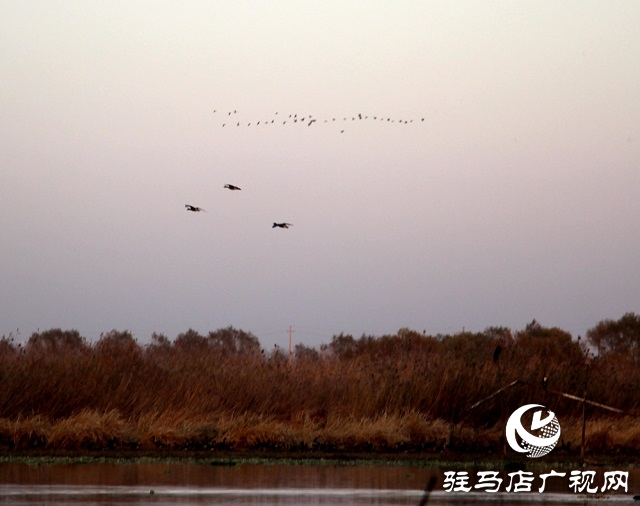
(403, 392)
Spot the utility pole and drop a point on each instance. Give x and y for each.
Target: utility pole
(290, 342)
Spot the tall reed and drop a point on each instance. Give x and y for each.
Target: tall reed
(404, 390)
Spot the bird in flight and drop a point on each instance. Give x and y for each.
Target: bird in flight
(232, 187)
(282, 225)
(194, 208)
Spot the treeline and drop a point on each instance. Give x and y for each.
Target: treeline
(406, 390)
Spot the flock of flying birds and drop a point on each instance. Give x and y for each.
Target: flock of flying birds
(196, 209)
(231, 119)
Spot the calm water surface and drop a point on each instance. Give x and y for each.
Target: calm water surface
(278, 484)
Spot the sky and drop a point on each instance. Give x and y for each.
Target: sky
(504, 187)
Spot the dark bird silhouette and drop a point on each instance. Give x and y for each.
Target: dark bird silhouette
(232, 187)
(282, 225)
(194, 208)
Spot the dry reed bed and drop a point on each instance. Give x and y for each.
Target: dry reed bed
(102, 431)
(406, 391)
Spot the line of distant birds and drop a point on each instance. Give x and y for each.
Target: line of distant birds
(309, 119)
(232, 187)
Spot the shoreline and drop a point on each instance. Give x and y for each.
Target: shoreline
(334, 458)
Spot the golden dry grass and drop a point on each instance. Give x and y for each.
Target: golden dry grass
(95, 431)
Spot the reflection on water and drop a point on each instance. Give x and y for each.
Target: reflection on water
(259, 484)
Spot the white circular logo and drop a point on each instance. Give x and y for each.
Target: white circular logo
(543, 436)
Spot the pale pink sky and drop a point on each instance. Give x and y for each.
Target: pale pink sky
(518, 196)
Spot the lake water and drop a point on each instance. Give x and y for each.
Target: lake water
(187, 482)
